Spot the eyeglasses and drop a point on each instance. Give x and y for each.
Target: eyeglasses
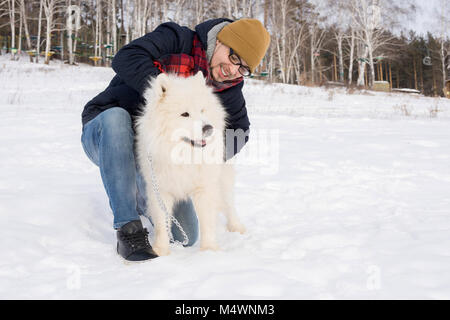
(236, 60)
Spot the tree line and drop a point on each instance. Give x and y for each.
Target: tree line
(313, 42)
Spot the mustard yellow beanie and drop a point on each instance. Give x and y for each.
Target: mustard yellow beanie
(248, 38)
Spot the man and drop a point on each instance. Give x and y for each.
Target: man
(224, 51)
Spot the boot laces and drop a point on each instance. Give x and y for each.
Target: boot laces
(138, 239)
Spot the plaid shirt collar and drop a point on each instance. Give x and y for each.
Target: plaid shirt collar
(186, 65)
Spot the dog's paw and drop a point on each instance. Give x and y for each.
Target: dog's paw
(161, 250)
(210, 246)
(236, 227)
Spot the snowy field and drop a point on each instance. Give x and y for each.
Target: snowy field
(350, 199)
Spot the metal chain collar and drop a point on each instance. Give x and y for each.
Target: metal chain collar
(163, 207)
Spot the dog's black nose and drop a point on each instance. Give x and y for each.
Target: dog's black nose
(207, 130)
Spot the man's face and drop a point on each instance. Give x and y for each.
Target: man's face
(221, 67)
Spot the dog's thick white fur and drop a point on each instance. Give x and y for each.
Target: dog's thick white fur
(182, 128)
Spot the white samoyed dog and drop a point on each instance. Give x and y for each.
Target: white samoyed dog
(180, 145)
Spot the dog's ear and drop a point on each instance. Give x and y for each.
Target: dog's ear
(161, 84)
(199, 77)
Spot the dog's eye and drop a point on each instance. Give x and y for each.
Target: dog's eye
(185, 114)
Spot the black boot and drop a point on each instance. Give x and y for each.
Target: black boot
(132, 242)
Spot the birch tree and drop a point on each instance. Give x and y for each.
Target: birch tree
(138, 17)
(12, 20)
(317, 36)
(444, 54)
(342, 25)
(288, 34)
(298, 38)
(239, 8)
(38, 41)
(25, 23)
(19, 44)
(98, 30)
(279, 22)
(201, 9)
(362, 53)
(51, 8)
(178, 8)
(113, 26)
(351, 44)
(72, 25)
(444, 38)
(369, 20)
(337, 13)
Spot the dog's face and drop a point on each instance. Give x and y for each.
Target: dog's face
(187, 110)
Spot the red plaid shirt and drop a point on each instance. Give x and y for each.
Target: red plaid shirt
(188, 65)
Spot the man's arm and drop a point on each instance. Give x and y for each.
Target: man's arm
(134, 62)
(238, 124)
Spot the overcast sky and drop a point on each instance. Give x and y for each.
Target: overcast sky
(427, 18)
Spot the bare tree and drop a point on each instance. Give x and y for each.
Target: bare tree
(370, 19)
(12, 19)
(98, 31)
(38, 42)
(233, 9)
(299, 37)
(362, 53)
(201, 9)
(51, 9)
(317, 36)
(138, 16)
(178, 8)
(351, 44)
(338, 20)
(72, 25)
(288, 35)
(25, 23)
(280, 11)
(444, 38)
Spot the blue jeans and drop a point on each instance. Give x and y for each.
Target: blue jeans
(108, 141)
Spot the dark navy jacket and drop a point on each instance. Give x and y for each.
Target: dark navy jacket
(133, 65)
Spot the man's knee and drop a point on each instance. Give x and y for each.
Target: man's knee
(116, 122)
(116, 118)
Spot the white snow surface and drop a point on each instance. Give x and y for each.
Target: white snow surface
(354, 203)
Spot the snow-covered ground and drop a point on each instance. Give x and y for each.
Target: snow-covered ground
(343, 195)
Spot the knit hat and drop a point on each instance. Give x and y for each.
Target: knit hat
(248, 38)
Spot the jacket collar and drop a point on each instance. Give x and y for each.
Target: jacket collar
(203, 28)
